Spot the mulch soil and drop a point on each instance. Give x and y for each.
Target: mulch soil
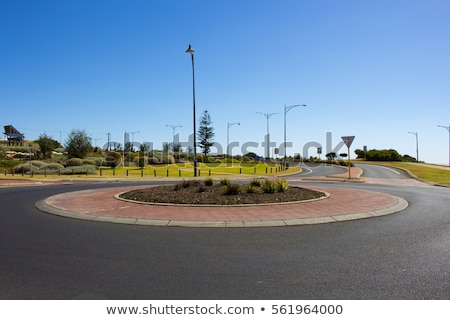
(213, 195)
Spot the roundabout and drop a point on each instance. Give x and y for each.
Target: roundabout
(73, 255)
(338, 204)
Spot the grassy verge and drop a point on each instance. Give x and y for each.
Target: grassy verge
(174, 170)
(431, 174)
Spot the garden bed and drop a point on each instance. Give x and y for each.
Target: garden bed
(197, 192)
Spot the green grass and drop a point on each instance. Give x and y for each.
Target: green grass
(179, 170)
(433, 174)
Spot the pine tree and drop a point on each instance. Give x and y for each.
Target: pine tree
(205, 133)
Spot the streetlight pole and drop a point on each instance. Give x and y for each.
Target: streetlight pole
(286, 110)
(267, 115)
(191, 51)
(417, 144)
(132, 140)
(228, 135)
(448, 129)
(173, 132)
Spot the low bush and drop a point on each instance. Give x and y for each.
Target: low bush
(208, 182)
(38, 163)
(25, 168)
(268, 187)
(281, 185)
(51, 167)
(225, 182)
(253, 189)
(186, 184)
(83, 169)
(256, 183)
(74, 162)
(232, 189)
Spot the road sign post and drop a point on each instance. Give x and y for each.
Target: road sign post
(348, 142)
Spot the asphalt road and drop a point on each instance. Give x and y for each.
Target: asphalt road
(401, 256)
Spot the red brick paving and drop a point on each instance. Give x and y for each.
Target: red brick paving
(340, 202)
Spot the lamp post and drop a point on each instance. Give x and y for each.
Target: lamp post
(132, 140)
(286, 110)
(31, 166)
(191, 51)
(173, 132)
(417, 144)
(267, 115)
(228, 136)
(448, 129)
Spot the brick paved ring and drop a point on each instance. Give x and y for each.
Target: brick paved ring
(342, 204)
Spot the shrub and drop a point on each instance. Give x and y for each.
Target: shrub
(141, 162)
(153, 160)
(83, 169)
(24, 168)
(51, 167)
(253, 189)
(232, 189)
(208, 182)
(167, 159)
(186, 184)
(255, 183)
(268, 187)
(89, 161)
(281, 185)
(225, 182)
(73, 162)
(113, 159)
(37, 163)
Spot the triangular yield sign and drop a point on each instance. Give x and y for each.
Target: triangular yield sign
(348, 140)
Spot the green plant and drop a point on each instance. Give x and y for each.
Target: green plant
(74, 162)
(51, 167)
(208, 182)
(83, 169)
(232, 189)
(255, 183)
(253, 189)
(24, 168)
(281, 185)
(186, 184)
(268, 186)
(225, 182)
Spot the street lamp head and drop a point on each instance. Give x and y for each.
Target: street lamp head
(190, 50)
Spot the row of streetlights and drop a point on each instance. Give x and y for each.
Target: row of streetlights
(267, 115)
(417, 143)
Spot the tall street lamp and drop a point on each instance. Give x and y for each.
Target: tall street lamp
(417, 144)
(286, 110)
(191, 51)
(267, 115)
(132, 139)
(173, 132)
(228, 136)
(448, 129)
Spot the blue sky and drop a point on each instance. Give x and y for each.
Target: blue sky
(373, 69)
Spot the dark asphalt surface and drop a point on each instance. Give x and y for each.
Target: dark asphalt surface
(401, 256)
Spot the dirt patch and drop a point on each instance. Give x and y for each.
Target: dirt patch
(214, 195)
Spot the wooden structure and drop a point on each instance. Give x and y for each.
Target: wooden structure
(14, 137)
